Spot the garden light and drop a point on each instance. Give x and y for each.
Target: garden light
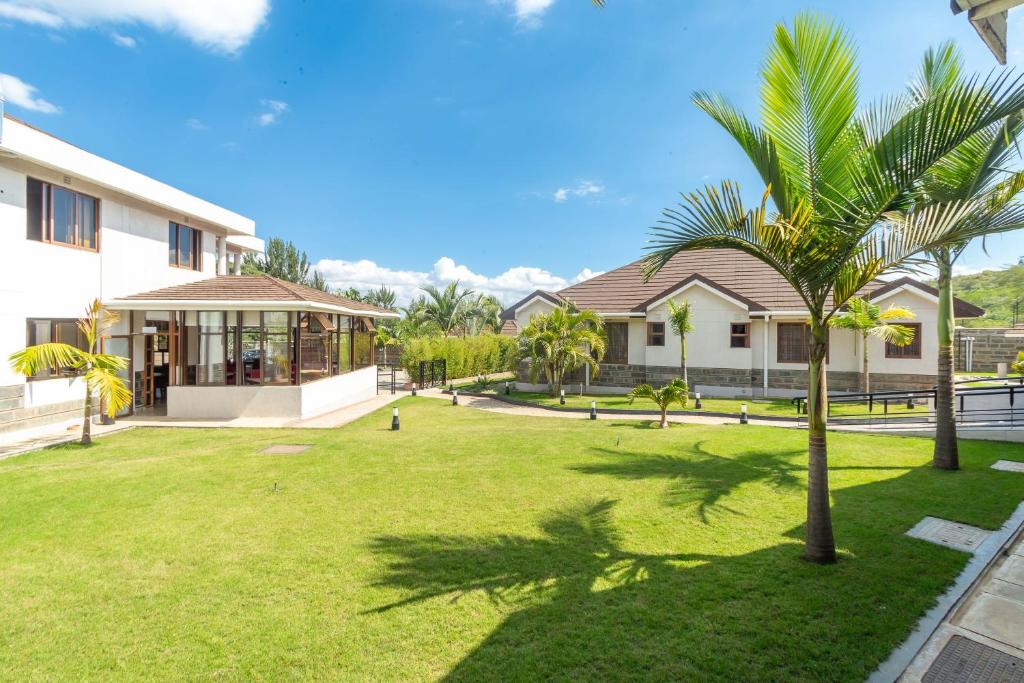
(508, 390)
(697, 403)
(561, 397)
(455, 397)
(593, 410)
(743, 413)
(394, 419)
(413, 388)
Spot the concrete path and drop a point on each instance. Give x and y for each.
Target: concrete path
(24, 440)
(990, 614)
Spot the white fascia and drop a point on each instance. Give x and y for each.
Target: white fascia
(25, 142)
(703, 285)
(221, 305)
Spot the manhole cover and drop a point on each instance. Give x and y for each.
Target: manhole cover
(966, 660)
(1008, 466)
(950, 534)
(286, 449)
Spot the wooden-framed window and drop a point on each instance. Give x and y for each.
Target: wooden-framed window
(54, 330)
(793, 342)
(58, 215)
(911, 350)
(617, 350)
(739, 335)
(655, 334)
(184, 247)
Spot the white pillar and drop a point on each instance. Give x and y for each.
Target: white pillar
(222, 255)
(237, 270)
(764, 371)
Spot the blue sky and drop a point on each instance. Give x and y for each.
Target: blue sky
(512, 143)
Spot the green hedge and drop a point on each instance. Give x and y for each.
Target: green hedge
(465, 356)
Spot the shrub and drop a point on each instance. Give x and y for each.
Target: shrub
(1018, 365)
(464, 356)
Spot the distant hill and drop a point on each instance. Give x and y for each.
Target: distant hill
(995, 291)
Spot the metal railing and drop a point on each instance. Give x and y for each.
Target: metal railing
(432, 373)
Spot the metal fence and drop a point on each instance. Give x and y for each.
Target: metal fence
(432, 373)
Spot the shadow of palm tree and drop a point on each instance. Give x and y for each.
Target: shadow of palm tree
(703, 478)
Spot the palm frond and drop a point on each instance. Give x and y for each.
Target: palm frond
(49, 356)
(111, 389)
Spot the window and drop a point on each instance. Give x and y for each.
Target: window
(45, 331)
(211, 338)
(794, 341)
(344, 355)
(911, 350)
(278, 347)
(617, 350)
(739, 335)
(316, 339)
(61, 216)
(362, 343)
(184, 247)
(655, 334)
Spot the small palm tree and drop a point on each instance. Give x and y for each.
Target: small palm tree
(561, 341)
(674, 392)
(869, 319)
(98, 369)
(679, 319)
(447, 308)
(386, 338)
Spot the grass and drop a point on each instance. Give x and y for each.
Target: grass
(767, 407)
(472, 546)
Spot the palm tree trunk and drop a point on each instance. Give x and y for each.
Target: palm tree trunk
(682, 358)
(87, 421)
(946, 455)
(819, 541)
(664, 417)
(867, 372)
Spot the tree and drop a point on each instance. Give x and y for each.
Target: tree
(447, 308)
(674, 392)
(282, 260)
(317, 281)
(833, 179)
(352, 293)
(561, 341)
(976, 171)
(382, 298)
(867, 318)
(679, 319)
(484, 313)
(99, 370)
(386, 338)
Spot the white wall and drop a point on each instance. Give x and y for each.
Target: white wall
(308, 400)
(526, 312)
(39, 280)
(708, 345)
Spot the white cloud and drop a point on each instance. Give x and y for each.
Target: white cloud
(195, 124)
(528, 13)
(509, 286)
(221, 25)
(274, 110)
(584, 188)
(123, 41)
(21, 94)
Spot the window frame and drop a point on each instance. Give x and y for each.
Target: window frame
(897, 352)
(195, 249)
(46, 216)
(653, 335)
(55, 323)
(806, 346)
(745, 336)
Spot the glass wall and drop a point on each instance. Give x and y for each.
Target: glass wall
(362, 343)
(278, 348)
(343, 357)
(316, 345)
(252, 367)
(212, 349)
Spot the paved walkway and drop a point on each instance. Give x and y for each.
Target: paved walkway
(24, 440)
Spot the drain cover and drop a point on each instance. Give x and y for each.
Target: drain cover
(286, 449)
(950, 534)
(1008, 466)
(968, 661)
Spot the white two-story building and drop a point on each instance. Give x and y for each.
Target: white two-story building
(203, 341)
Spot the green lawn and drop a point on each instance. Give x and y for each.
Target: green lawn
(472, 546)
(770, 407)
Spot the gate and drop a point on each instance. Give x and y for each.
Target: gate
(432, 373)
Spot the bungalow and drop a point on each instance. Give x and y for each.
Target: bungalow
(203, 341)
(750, 331)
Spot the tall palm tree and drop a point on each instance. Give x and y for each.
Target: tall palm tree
(833, 179)
(561, 341)
(868, 319)
(674, 392)
(484, 313)
(447, 308)
(979, 170)
(98, 369)
(679, 319)
(384, 297)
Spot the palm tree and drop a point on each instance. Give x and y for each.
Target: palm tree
(674, 392)
(447, 308)
(386, 338)
(98, 369)
(976, 171)
(833, 178)
(867, 318)
(561, 341)
(679, 319)
(484, 313)
(382, 298)
(317, 280)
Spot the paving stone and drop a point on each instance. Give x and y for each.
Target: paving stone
(1008, 466)
(963, 659)
(950, 534)
(1012, 570)
(286, 449)
(995, 617)
(1006, 589)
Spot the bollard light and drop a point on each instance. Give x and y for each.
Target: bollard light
(413, 388)
(508, 389)
(394, 419)
(910, 403)
(743, 413)
(455, 397)
(451, 386)
(697, 397)
(593, 410)
(561, 397)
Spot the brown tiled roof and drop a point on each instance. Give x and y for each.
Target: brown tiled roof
(734, 273)
(509, 328)
(250, 288)
(510, 312)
